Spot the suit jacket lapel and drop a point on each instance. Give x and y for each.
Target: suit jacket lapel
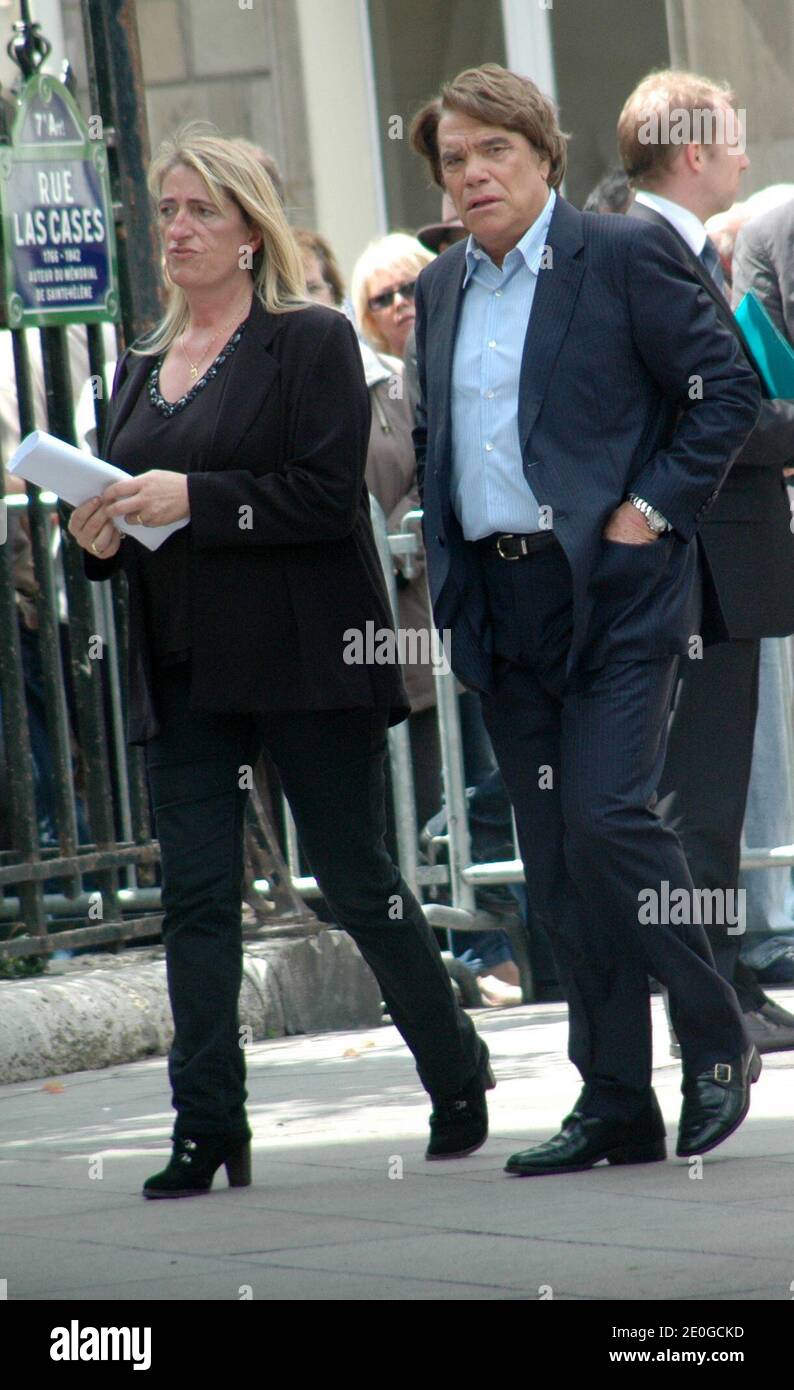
(555, 296)
(440, 348)
(252, 371)
(646, 214)
(136, 371)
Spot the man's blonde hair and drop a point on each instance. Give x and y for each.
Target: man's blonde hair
(671, 90)
(230, 169)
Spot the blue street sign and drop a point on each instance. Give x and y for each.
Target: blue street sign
(59, 248)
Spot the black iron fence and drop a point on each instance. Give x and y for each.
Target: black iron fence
(77, 840)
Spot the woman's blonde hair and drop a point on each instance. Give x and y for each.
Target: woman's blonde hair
(396, 251)
(232, 169)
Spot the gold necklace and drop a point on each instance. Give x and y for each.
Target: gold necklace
(194, 366)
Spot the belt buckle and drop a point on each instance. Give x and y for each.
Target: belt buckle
(508, 536)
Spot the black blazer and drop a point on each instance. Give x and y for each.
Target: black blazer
(619, 326)
(747, 535)
(271, 604)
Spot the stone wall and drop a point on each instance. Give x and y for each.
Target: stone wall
(237, 67)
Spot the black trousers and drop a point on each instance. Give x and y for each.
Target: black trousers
(331, 766)
(582, 757)
(703, 788)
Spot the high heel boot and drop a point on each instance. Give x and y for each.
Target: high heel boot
(194, 1163)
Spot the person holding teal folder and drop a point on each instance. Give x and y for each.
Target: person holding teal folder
(773, 354)
(746, 538)
(763, 265)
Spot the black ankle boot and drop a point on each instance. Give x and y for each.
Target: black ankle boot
(194, 1163)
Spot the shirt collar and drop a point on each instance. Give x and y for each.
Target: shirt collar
(685, 222)
(530, 247)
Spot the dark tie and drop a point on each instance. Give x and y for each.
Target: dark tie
(711, 261)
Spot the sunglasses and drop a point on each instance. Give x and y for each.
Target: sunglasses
(385, 300)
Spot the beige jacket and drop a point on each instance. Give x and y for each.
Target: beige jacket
(391, 478)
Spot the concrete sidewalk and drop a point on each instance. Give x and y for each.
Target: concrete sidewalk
(344, 1207)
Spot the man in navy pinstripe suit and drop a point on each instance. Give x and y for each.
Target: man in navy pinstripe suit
(580, 407)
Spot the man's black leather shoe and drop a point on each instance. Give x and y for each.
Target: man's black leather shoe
(715, 1103)
(776, 1013)
(767, 1034)
(585, 1140)
(459, 1125)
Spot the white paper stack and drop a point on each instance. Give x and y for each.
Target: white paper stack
(69, 473)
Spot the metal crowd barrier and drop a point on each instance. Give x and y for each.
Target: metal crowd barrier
(460, 875)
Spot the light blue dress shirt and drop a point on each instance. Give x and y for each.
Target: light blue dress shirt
(489, 489)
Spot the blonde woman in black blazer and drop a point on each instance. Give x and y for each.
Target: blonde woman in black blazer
(245, 413)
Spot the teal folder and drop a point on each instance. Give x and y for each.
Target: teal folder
(773, 354)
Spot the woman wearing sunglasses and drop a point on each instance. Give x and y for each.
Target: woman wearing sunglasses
(384, 279)
(382, 290)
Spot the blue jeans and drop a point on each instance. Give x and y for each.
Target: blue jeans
(491, 828)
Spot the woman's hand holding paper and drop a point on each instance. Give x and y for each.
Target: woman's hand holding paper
(93, 529)
(156, 498)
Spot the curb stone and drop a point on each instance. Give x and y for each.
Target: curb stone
(84, 1019)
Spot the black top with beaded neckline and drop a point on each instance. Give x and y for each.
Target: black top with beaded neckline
(165, 434)
(169, 408)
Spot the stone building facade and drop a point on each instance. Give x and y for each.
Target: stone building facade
(329, 86)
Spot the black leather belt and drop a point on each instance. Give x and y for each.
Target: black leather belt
(513, 547)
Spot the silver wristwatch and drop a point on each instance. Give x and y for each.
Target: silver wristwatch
(654, 518)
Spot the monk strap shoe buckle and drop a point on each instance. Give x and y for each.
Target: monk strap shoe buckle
(723, 1071)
